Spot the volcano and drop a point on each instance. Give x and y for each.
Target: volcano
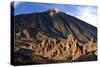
(56, 24)
(52, 36)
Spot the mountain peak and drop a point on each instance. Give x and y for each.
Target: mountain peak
(52, 11)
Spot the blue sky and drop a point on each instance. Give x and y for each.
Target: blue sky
(85, 13)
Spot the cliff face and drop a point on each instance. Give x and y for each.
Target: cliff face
(57, 25)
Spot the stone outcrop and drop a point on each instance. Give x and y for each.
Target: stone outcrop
(89, 47)
(54, 49)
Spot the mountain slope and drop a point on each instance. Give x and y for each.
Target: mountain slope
(57, 25)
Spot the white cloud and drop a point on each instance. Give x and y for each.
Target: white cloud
(88, 15)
